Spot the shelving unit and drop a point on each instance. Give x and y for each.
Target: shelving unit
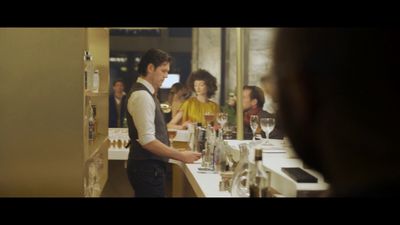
(44, 149)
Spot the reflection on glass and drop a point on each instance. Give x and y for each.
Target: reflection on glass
(254, 124)
(267, 125)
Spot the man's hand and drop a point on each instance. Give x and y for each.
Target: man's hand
(189, 157)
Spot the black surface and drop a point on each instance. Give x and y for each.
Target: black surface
(299, 175)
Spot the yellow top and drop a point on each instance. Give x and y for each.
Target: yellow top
(194, 110)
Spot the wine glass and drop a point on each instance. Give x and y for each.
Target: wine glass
(209, 117)
(267, 125)
(254, 124)
(171, 135)
(222, 118)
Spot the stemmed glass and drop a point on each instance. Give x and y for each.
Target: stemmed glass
(267, 125)
(209, 117)
(254, 124)
(222, 118)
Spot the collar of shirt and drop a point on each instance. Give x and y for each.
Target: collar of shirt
(117, 100)
(146, 84)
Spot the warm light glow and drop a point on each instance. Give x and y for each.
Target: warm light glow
(118, 59)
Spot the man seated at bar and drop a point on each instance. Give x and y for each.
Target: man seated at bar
(117, 105)
(196, 108)
(253, 102)
(329, 82)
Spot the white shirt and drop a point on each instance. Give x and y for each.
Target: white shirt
(119, 100)
(142, 108)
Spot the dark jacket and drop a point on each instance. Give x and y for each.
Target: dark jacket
(112, 114)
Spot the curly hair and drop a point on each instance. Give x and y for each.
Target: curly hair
(204, 75)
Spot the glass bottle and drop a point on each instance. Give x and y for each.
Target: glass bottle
(240, 187)
(88, 60)
(220, 155)
(94, 110)
(96, 81)
(91, 124)
(259, 182)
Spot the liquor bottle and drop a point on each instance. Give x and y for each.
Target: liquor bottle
(88, 60)
(91, 124)
(125, 123)
(96, 81)
(240, 184)
(259, 179)
(94, 108)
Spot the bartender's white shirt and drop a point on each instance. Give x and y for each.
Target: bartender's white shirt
(142, 108)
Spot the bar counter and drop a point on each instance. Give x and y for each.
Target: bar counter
(187, 176)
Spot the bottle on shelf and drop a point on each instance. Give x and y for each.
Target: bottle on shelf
(240, 184)
(91, 124)
(96, 81)
(259, 182)
(89, 70)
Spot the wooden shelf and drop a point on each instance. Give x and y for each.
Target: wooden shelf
(96, 94)
(66, 143)
(93, 148)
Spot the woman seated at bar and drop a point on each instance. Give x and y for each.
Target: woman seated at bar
(195, 108)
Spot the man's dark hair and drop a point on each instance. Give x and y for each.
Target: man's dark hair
(204, 75)
(118, 80)
(256, 93)
(155, 57)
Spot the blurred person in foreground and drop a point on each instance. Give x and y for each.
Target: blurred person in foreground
(330, 82)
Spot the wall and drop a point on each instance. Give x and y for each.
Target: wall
(257, 59)
(41, 85)
(207, 53)
(260, 44)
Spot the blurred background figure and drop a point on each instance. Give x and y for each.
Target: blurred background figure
(177, 95)
(268, 87)
(329, 82)
(230, 109)
(117, 105)
(194, 109)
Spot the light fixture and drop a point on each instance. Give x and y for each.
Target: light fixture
(118, 59)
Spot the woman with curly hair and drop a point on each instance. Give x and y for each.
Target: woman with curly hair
(193, 110)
